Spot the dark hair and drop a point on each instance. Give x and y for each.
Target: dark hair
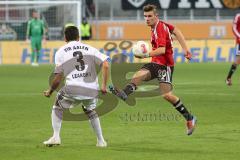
(34, 11)
(150, 7)
(71, 33)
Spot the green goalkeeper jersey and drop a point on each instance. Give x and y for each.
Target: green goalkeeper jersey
(35, 28)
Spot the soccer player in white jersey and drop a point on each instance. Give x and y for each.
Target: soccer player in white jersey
(76, 62)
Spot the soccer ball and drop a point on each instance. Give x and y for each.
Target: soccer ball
(141, 49)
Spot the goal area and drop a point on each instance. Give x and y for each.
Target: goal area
(14, 16)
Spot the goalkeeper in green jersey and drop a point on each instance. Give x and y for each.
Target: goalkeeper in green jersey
(36, 33)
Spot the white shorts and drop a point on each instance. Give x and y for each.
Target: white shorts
(64, 101)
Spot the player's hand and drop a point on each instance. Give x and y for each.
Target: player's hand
(104, 90)
(27, 41)
(138, 57)
(47, 93)
(188, 55)
(141, 57)
(44, 41)
(238, 40)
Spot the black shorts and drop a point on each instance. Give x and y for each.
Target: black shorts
(161, 72)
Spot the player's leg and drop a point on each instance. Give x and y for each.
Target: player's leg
(144, 74)
(61, 103)
(181, 108)
(233, 66)
(178, 104)
(38, 48)
(141, 75)
(34, 50)
(165, 85)
(89, 106)
(56, 117)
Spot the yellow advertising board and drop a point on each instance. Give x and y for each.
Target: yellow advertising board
(19, 52)
(137, 30)
(207, 51)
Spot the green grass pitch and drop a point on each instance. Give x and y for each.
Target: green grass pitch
(25, 120)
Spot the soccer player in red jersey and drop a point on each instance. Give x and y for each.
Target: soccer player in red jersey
(236, 31)
(162, 64)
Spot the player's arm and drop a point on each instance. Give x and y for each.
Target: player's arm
(28, 30)
(55, 83)
(105, 75)
(158, 51)
(178, 34)
(103, 61)
(58, 74)
(44, 30)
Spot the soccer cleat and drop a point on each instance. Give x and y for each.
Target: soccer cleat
(53, 141)
(191, 125)
(118, 93)
(101, 144)
(35, 64)
(229, 81)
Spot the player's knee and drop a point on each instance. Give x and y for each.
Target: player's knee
(169, 97)
(166, 96)
(237, 61)
(58, 111)
(90, 113)
(137, 76)
(140, 75)
(235, 64)
(56, 107)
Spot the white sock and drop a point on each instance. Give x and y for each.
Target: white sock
(56, 121)
(95, 123)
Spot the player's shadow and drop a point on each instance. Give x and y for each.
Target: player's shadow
(139, 147)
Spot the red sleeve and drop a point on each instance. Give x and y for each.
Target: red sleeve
(170, 27)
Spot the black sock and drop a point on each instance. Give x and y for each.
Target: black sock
(183, 110)
(232, 70)
(130, 88)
